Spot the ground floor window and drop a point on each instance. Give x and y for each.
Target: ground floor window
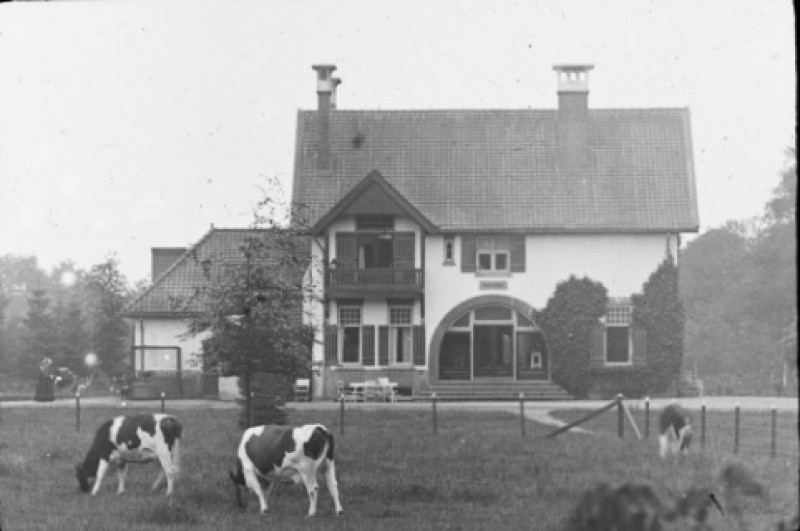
(350, 323)
(400, 337)
(618, 336)
(493, 342)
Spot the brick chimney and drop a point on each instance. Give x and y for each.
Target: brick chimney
(326, 91)
(573, 115)
(163, 258)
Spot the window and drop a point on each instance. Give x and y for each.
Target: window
(449, 250)
(400, 338)
(618, 333)
(493, 253)
(350, 323)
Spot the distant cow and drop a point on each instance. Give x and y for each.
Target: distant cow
(132, 439)
(675, 431)
(271, 454)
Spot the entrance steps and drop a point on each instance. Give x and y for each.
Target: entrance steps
(482, 391)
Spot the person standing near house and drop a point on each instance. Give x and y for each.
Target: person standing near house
(44, 382)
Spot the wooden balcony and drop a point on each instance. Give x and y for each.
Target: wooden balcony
(346, 282)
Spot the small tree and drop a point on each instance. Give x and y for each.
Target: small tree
(251, 308)
(567, 321)
(659, 311)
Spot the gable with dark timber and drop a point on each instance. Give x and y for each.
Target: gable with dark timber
(375, 199)
(127, 433)
(268, 449)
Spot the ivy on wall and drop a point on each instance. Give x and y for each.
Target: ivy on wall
(574, 311)
(659, 310)
(567, 321)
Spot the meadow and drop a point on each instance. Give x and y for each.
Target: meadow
(477, 473)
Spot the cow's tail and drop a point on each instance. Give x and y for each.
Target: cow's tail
(172, 431)
(329, 454)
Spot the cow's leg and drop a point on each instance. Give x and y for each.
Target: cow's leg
(158, 480)
(102, 466)
(333, 486)
(252, 483)
(310, 481)
(168, 468)
(121, 473)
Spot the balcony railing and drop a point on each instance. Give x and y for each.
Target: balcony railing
(375, 278)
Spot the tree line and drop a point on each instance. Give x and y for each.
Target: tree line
(739, 287)
(62, 315)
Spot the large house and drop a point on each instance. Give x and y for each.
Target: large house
(438, 232)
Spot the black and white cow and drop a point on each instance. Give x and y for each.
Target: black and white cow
(132, 439)
(675, 431)
(271, 454)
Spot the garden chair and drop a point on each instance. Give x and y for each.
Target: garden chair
(387, 389)
(302, 387)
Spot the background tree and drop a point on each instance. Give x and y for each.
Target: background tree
(39, 332)
(73, 340)
(110, 334)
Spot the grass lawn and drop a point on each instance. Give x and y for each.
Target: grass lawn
(394, 473)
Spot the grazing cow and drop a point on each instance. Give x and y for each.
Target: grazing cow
(271, 454)
(132, 439)
(675, 431)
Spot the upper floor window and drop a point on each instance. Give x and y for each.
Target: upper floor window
(449, 250)
(493, 253)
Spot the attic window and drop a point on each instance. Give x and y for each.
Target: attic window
(375, 222)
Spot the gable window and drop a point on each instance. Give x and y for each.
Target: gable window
(350, 324)
(449, 250)
(400, 338)
(618, 333)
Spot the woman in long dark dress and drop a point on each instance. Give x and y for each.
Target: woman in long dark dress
(45, 391)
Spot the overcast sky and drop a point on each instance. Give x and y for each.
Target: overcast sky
(131, 125)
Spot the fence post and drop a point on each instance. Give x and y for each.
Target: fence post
(736, 429)
(620, 417)
(522, 413)
(647, 417)
(703, 426)
(252, 412)
(162, 401)
(433, 404)
(773, 447)
(78, 411)
(341, 413)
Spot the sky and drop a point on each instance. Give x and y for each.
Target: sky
(131, 125)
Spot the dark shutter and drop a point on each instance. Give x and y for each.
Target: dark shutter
(419, 345)
(404, 250)
(383, 345)
(639, 346)
(331, 345)
(518, 253)
(368, 345)
(598, 356)
(469, 249)
(346, 250)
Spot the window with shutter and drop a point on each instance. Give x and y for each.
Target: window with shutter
(598, 355)
(383, 345)
(331, 344)
(469, 249)
(368, 348)
(639, 346)
(404, 243)
(518, 253)
(346, 250)
(419, 345)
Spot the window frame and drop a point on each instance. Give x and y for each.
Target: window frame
(345, 324)
(618, 315)
(449, 251)
(393, 326)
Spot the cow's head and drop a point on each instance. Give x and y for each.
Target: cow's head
(83, 477)
(685, 437)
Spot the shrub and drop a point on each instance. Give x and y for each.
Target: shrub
(567, 322)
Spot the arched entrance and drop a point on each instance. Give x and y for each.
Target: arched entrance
(489, 338)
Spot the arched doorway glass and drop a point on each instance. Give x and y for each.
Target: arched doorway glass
(493, 342)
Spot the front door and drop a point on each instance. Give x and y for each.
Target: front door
(493, 350)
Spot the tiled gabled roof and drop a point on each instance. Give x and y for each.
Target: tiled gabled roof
(216, 249)
(472, 170)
